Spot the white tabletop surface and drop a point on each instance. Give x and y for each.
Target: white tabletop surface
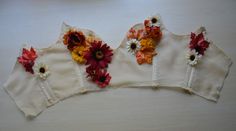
(38, 23)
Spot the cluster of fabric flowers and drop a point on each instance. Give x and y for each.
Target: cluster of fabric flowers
(90, 51)
(142, 42)
(76, 43)
(197, 48)
(27, 59)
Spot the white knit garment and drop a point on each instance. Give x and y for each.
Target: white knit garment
(169, 69)
(205, 79)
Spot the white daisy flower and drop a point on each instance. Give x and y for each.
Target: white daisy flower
(41, 70)
(133, 46)
(193, 57)
(155, 21)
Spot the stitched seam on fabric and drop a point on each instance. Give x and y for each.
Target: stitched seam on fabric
(155, 70)
(45, 88)
(49, 89)
(191, 76)
(187, 76)
(79, 74)
(47, 92)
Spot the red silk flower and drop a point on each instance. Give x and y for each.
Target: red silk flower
(27, 59)
(198, 43)
(98, 55)
(100, 76)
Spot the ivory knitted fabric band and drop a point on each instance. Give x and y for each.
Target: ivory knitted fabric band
(149, 56)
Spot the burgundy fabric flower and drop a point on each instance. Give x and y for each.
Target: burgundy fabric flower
(102, 78)
(91, 72)
(198, 43)
(99, 76)
(98, 55)
(27, 59)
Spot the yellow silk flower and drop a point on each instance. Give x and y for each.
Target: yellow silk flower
(147, 43)
(78, 54)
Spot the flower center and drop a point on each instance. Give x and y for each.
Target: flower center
(154, 20)
(78, 53)
(41, 70)
(102, 79)
(192, 57)
(133, 46)
(99, 55)
(74, 38)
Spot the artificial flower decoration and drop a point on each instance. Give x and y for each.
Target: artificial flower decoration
(77, 44)
(198, 43)
(152, 31)
(27, 59)
(154, 21)
(133, 34)
(143, 42)
(88, 50)
(133, 46)
(74, 38)
(145, 56)
(78, 54)
(148, 43)
(99, 76)
(197, 48)
(98, 55)
(193, 57)
(91, 71)
(41, 71)
(102, 78)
